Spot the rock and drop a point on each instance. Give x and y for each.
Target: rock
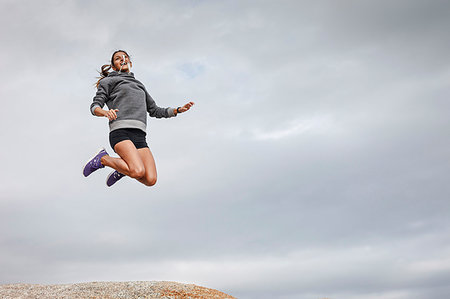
(111, 290)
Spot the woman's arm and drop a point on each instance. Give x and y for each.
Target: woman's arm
(101, 97)
(155, 111)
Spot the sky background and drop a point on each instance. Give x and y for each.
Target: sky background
(314, 164)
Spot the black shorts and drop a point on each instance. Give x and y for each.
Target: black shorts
(136, 136)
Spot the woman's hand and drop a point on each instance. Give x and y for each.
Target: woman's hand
(185, 107)
(111, 114)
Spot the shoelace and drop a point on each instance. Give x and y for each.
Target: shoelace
(96, 162)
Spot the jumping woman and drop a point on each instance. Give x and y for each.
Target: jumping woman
(128, 104)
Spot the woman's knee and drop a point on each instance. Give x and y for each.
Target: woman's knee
(150, 181)
(137, 172)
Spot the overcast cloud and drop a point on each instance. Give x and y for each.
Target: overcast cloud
(314, 164)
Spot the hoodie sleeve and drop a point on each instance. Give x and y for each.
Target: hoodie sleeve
(155, 111)
(102, 95)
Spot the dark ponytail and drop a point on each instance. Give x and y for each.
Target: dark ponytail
(106, 67)
(103, 73)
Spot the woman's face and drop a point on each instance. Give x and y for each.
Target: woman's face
(121, 58)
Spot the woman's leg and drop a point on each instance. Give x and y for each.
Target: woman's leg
(130, 162)
(150, 176)
(135, 163)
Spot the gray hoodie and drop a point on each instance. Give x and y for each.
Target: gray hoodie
(122, 91)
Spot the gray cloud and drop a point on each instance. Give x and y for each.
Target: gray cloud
(313, 165)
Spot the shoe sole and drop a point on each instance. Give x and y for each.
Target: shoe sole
(84, 165)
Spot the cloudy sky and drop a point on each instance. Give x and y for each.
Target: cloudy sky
(314, 164)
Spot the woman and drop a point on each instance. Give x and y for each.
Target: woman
(128, 104)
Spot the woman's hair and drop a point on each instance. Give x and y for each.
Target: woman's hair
(106, 67)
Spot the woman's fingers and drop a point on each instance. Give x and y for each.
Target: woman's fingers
(112, 115)
(188, 106)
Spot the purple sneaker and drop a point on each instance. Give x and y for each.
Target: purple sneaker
(94, 163)
(113, 177)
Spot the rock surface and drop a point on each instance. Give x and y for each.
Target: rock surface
(111, 290)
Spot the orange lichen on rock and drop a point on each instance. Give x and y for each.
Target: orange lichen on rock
(196, 292)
